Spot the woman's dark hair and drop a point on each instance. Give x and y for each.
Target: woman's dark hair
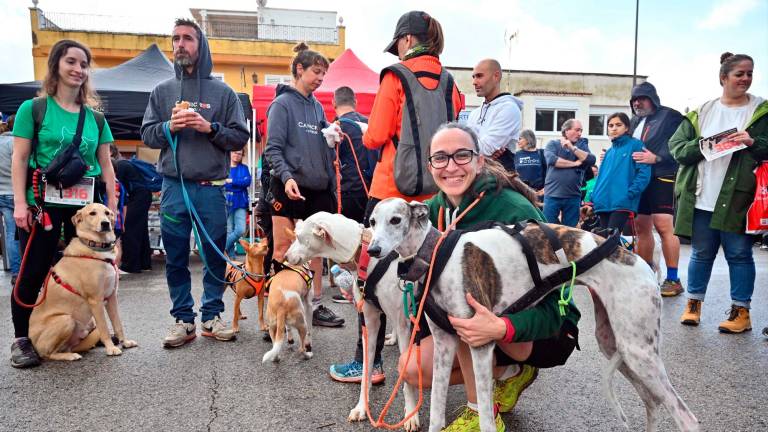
(306, 58)
(86, 95)
(621, 116)
(504, 178)
(728, 61)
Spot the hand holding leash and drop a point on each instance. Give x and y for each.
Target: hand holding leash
(482, 328)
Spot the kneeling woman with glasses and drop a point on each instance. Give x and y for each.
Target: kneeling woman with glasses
(539, 337)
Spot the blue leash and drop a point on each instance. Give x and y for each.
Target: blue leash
(197, 225)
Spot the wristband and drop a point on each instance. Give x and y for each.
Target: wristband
(510, 333)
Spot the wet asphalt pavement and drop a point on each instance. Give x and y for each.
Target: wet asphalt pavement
(222, 386)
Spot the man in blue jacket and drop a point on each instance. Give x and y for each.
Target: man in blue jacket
(207, 126)
(567, 160)
(654, 124)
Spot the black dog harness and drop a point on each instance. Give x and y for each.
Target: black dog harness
(415, 268)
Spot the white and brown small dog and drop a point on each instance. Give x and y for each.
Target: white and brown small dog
(289, 306)
(491, 265)
(338, 238)
(71, 319)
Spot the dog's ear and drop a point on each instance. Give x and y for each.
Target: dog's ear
(321, 230)
(244, 244)
(78, 217)
(111, 217)
(290, 233)
(419, 212)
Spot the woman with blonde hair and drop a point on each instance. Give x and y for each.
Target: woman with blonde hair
(45, 127)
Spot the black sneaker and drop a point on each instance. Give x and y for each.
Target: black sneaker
(23, 354)
(322, 316)
(338, 298)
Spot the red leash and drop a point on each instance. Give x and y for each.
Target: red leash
(337, 167)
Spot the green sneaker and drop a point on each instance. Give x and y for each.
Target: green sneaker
(508, 391)
(469, 421)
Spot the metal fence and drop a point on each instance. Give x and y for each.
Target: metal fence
(58, 21)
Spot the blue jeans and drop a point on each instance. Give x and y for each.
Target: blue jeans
(11, 244)
(176, 227)
(235, 228)
(705, 242)
(569, 207)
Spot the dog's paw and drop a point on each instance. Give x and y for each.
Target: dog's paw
(270, 356)
(390, 339)
(357, 414)
(307, 355)
(236, 329)
(412, 425)
(114, 351)
(129, 343)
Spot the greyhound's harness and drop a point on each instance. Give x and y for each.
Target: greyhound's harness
(414, 269)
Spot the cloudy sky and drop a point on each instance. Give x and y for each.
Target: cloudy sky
(680, 41)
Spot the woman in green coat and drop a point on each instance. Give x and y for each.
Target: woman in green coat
(538, 337)
(713, 195)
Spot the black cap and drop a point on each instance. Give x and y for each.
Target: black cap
(411, 23)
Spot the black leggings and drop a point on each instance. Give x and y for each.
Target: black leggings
(137, 255)
(42, 254)
(615, 219)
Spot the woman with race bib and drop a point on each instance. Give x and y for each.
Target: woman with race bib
(44, 128)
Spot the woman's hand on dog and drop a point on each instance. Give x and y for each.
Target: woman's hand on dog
(482, 328)
(22, 216)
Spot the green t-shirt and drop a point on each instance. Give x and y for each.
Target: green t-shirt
(56, 133)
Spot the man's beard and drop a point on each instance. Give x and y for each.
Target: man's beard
(183, 59)
(640, 112)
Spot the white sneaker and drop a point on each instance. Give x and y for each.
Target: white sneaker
(216, 328)
(179, 334)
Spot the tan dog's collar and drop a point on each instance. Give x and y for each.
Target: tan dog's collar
(98, 246)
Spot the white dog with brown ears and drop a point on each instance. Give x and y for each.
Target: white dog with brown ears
(71, 319)
(336, 237)
(628, 332)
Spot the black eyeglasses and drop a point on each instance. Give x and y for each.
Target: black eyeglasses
(460, 157)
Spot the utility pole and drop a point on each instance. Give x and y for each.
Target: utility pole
(634, 71)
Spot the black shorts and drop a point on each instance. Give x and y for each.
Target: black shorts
(658, 197)
(547, 353)
(316, 201)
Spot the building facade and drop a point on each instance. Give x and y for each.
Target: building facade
(248, 47)
(551, 98)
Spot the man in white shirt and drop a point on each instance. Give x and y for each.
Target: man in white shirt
(498, 121)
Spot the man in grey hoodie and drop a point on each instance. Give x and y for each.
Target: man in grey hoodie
(498, 121)
(206, 126)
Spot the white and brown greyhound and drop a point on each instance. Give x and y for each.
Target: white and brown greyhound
(623, 288)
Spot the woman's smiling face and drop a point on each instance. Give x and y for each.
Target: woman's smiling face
(453, 178)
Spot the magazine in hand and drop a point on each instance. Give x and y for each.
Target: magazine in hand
(717, 146)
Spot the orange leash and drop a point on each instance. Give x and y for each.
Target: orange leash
(337, 168)
(380, 423)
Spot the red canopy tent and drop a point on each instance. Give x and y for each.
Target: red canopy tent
(347, 70)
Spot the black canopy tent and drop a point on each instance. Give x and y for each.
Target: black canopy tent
(124, 91)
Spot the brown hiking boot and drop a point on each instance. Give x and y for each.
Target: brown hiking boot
(671, 288)
(692, 314)
(737, 322)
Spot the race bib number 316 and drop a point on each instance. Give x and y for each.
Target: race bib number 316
(78, 195)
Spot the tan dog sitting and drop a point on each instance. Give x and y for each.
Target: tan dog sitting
(289, 306)
(71, 319)
(252, 284)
